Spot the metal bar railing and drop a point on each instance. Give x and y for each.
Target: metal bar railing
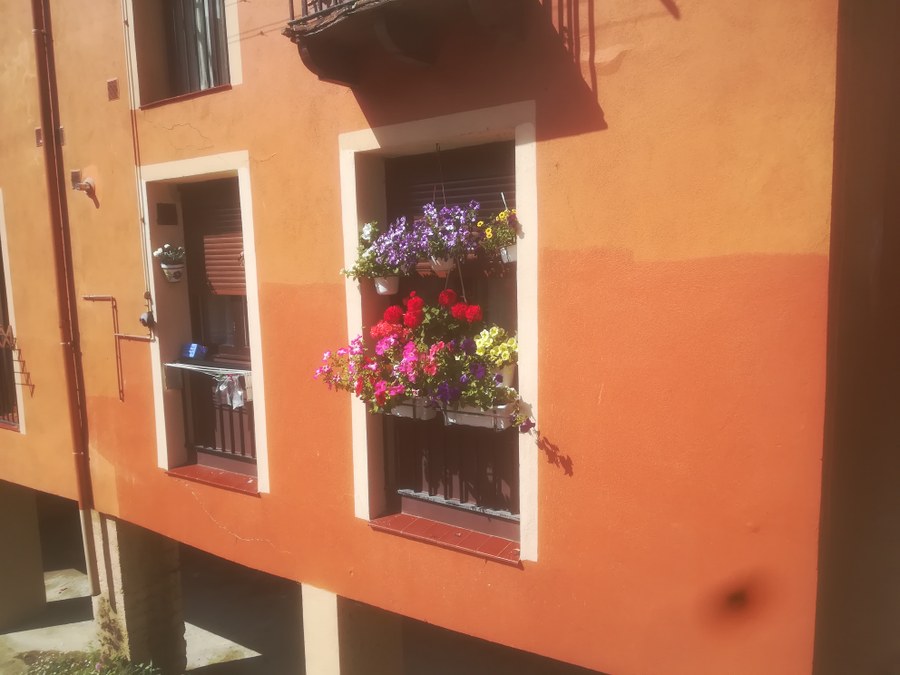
(9, 408)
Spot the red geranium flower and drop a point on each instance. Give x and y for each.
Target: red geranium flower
(393, 314)
(413, 318)
(415, 303)
(459, 311)
(447, 297)
(473, 313)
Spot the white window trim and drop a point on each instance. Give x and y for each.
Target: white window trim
(10, 309)
(516, 122)
(215, 166)
(233, 37)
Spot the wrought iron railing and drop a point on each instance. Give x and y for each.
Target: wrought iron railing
(312, 8)
(457, 465)
(9, 410)
(219, 414)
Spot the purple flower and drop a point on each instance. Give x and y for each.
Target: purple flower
(467, 346)
(446, 393)
(526, 426)
(477, 370)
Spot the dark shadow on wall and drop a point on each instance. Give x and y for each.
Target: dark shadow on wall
(858, 609)
(430, 650)
(488, 62)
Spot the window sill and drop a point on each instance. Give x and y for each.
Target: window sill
(185, 97)
(208, 475)
(459, 539)
(8, 426)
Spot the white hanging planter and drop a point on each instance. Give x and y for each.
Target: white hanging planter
(174, 271)
(415, 409)
(498, 418)
(509, 254)
(507, 373)
(387, 285)
(442, 266)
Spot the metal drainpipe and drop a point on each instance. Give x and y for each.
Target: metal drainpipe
(65, 281)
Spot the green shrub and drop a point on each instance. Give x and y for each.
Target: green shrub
(86, 663)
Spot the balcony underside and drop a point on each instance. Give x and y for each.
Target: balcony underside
(334, 40)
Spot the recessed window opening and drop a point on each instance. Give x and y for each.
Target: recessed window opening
(9, 410)
(219, 416)
(181, 47)
(464, 476)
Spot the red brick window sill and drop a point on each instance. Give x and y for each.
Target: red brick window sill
(440, 534)
(236, 482)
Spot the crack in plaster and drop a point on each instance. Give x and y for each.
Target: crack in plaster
(227, 530)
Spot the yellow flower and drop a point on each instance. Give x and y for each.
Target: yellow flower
(494, 331)
(480, 223)
(488, 233)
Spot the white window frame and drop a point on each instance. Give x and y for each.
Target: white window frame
(514, 122)
(208, 168)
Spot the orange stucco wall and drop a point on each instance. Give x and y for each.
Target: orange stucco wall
(684, 187)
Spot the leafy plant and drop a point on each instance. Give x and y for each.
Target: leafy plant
(170, 255)
(87, 663)
(383, 254)
(426, 351)
(499, 232)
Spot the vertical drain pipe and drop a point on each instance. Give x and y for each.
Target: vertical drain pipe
(65, 281)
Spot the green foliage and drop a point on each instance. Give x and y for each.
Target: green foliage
(86, 663)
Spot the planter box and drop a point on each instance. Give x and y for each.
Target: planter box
(498, 418)
(415, 409)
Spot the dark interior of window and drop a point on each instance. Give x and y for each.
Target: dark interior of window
(9, 415)
(217, 427)
(456, 473)
(181, 45)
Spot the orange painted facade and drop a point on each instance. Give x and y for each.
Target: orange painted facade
(684, 168)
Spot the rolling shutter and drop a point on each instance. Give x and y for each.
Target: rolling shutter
(212, 215)
(482, 173)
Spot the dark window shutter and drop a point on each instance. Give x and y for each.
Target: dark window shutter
(223, 255)
(484, 173)
(212, 214)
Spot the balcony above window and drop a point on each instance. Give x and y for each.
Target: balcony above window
(333, 36)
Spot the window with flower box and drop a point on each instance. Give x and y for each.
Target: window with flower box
(447, 422)
(452, 472)
(367, 169)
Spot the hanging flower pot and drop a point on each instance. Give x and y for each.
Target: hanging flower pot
(174, 271)
(387, 285)
(508, 254)
(442, 266)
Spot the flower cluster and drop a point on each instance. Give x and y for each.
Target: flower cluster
(449, 232)
(426, 351)
(497, 347)
(169, 255)
(384, 254)
(499, 232)
(452, 232)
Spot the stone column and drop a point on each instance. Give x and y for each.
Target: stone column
(343, 637)
(138, 612)
(22, 594)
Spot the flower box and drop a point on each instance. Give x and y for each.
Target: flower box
(416, 409)
(498, 418)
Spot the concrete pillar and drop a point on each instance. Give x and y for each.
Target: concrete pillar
(343, 637)
(138, 612)
(22, 593)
